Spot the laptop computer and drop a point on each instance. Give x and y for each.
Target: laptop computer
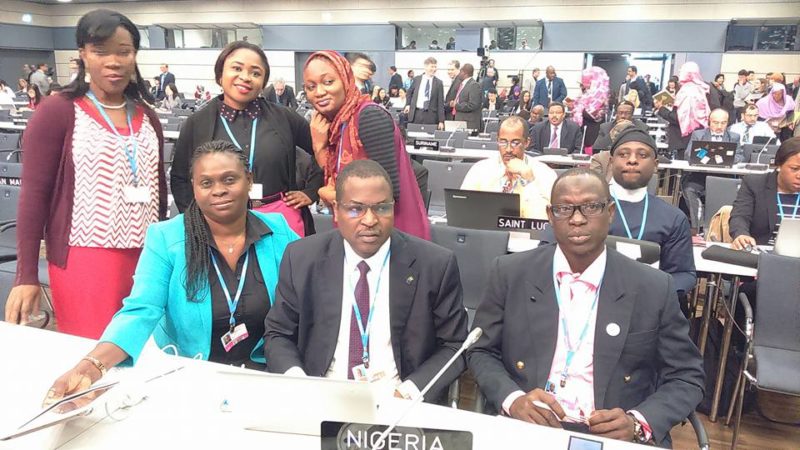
(788, 241)
(643, 251)
(455, 125)
(713, 154)
(332, 400)
(478, 209)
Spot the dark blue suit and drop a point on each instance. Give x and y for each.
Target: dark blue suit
(540, 92)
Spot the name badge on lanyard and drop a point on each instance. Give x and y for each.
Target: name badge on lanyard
(131, 193)
(257, 191)
(364, 372)
(236, 333)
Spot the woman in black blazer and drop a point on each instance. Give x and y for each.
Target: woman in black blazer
(242, 70)
(765, 199)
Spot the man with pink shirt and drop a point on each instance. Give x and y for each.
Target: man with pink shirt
(578, 336)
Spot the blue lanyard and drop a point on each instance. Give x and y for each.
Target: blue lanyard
(361, 329)
(780, 205)
(236, 143)
(625, 222)
(571, 351)
(339, 157)
(130, 145)
(232, 303)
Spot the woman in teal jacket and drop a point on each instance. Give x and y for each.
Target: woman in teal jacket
(205, 279)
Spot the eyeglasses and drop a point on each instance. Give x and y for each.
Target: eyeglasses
(587, 209)
(516, 143)
(358, 210)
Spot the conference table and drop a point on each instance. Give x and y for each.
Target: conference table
(175, 402)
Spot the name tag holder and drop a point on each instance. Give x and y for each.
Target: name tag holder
(357, 436)
(427, 144)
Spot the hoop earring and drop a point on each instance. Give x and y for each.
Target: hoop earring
(87, 78)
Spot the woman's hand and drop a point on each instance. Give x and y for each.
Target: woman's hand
(320, 128)
(79, 378)
(297, 199)
(743, 242)
(23, 302)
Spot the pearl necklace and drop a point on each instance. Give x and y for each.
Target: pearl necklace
(120, 106)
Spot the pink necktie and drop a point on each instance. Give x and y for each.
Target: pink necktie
(458, 96)
(554, 138)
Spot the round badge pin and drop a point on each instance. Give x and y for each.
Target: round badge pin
(612, 329)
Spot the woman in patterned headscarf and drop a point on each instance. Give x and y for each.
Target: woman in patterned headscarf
(690, 110)
(349, 126)
(592, 106)
(774, 108)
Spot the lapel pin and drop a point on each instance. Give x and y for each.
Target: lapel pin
(410, 279)
(533, 299)
(612, 329)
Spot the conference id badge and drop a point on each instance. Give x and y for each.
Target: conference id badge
(361, 373)
(257, 191)
(136, 194)
(231, 338)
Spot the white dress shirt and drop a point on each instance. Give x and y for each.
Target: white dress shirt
(759, 128)
(421, 98)
(381, 353)
(577, 395)
(489, 175)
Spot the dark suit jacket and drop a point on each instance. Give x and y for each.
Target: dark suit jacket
(569, 139)
(755, 211)
(428, 320)
(540, 92)
(652, 366)
(603, 141)
(436, 104)
(396, 81)
(169, 78)
(675, 139)
(705, 135)
(645, 96)
(287, 99)
(451, 95)
(469, 104)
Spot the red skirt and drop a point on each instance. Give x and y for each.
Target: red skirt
(89, 290)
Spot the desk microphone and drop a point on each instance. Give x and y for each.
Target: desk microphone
(758, 158)
(446, 147)
(473, 337)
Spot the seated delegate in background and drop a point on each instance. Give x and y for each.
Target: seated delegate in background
(22, 87)
(264, 131)
(693, 185)
(512, 171)
(34, 98)
(278, 92)
(634, 372)
(644, 216)
(348, 126)
(750, 127)
(556, 132)
(172, 98)
(330, 285)
(523, 104)
(601, 159)
(765, 199)
(187, 292)
(624, 113)
(7, 94)
(492, 102)
(382, 99)
(81, 193)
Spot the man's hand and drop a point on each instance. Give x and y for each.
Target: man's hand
(613, 424)
(524, 409)
(743, 242)
(440, 126)
(406, 109)
(517, 166)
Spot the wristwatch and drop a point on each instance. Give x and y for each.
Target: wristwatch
(638, 432)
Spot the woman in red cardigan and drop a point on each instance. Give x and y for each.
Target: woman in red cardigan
(93, 180)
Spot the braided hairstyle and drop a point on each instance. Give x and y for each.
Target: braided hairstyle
(198, 236)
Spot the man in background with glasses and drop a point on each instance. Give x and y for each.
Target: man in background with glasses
(581, 337)
(365, 301)
(512, 171)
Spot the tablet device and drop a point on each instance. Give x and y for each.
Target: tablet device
(71, 406)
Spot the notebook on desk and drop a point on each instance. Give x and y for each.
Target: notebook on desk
(713, 154)
(478, 209)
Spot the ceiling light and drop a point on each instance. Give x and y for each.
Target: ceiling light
(27, 18)
(64, 1)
